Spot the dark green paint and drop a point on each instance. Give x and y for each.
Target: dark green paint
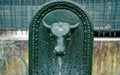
(78, 42)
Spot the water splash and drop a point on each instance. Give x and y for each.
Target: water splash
(60, 65)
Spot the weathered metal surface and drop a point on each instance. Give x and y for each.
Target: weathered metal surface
(77, 42)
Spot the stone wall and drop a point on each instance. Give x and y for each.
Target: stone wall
(106, 58)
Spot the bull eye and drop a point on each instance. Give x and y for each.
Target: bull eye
(60, 29)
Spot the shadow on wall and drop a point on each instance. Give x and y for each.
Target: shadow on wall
(106, 58)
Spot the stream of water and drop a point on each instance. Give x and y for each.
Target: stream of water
(60, 65)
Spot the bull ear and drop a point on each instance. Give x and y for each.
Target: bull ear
(74, 26)
(46, 25)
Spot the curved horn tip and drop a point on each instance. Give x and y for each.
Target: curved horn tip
(74, 26)
(46, 25)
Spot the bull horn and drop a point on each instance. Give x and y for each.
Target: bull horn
(46, 25)
(74, 26)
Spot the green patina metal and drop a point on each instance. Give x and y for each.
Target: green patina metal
(75, 41)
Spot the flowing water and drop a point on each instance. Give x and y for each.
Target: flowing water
(60, 65)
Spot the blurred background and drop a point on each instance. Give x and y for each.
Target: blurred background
(15, 16)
